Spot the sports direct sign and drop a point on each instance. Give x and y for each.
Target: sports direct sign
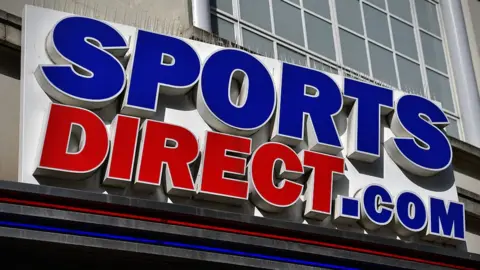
(113, 109)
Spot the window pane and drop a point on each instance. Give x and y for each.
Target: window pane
(377, 25)
(427, 16)
(320, 7)
(433, 52)
(404, 38)
(288, 21)
(257, 43)
(225, 5)
(353, 51)
(321, 66)
(256, 12)
(440, 89)
(401, 8)
(287, 55)
(320, 36)
(452, 128)
(349, 14)
(223, 28)
(383, 66)
(378, 3)
(410, 76)
(295, 1)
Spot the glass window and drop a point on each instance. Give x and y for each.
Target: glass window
(257, 43)
(320, 36)
(223, 28)
(452, 128)
(383, 66)
(323, 67)
(410, 76)
(404, 38)
(320, 7)
(378, 3)
(427, 16)
(353, 51)
(225, 5)
(433, 52)
(376, 23)
(290, 56)
(288, 21)
(256, 12)
(439, 87)
(349, 15)
(401, 8)
(295, 1)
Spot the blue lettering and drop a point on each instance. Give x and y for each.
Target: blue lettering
(346, 210)
(214, 92)
(350, 207)
(447, 220)
(422, 147)
(86, 72)
(161, 64)
(376, 206)
(365, 118)
(308, 92)
(410, 213)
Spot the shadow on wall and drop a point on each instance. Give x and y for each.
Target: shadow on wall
(375, 169)
(442, 181)
(10, 63)
(9, 119)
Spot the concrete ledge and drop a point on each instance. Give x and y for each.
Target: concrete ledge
(471, 208)
(471, 201)
(461, 147)
(11, 19)
(466, 158)
(10, 30)
(472, 196)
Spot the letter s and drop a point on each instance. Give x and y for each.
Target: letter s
(420, 147)
(85, 71)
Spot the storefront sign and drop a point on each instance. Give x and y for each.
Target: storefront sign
(272, 131)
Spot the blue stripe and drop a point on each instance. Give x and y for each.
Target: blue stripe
(172, 244)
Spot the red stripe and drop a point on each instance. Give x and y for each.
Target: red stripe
(230, 230)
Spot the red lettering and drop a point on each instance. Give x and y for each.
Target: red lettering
(318, 194)
(168, 144)
(213, 184)
(124, 137)
(266, 194)
(66, 121)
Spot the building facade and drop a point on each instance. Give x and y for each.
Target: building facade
(423, 47)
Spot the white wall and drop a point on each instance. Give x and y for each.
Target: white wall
(139, 13)
(467, 182)
(471, 11)
(9, 119)
(473, 242)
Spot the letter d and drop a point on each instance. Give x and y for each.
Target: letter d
(65, 123)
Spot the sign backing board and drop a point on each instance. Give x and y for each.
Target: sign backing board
(182, 110)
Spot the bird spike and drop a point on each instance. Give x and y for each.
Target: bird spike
(156, 25)
(83, 9)
(115, 15)
(124, 16)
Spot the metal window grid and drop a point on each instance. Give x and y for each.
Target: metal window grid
(337, 64)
